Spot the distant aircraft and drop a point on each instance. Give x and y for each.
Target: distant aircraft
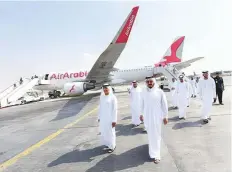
(77, 83)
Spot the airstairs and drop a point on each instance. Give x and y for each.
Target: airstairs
(13, 87)
(13, 93)
(169, 71)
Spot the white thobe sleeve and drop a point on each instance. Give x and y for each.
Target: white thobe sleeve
(214, 88)
(200, 89)
(99, 110)
(142, 103)
(164, 105)
(114, 109)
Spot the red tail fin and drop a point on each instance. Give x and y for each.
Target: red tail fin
(174, 52)
(124, 32)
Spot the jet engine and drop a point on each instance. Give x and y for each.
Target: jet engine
(77, 88)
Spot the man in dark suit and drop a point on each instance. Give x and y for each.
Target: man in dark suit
(219, 87)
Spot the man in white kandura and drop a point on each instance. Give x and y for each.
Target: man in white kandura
(107, 117)
(186, 79)
(155, 112)
(197, 86)
(182, 91)
(193, 87)
(135, 103)
(173, 93)
(207, 94)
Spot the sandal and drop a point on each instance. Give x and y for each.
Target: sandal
(111, 150)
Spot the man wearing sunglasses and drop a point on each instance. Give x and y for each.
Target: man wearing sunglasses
(155, 110)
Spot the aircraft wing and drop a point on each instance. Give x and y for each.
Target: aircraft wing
(106, 61)
(187, 63)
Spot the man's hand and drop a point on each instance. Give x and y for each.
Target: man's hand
(113, 124)
(98, 120)
(214, 100)
(165, 120)
(141, 118)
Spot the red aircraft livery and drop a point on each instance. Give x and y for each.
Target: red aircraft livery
(172, 58)
(68, 75)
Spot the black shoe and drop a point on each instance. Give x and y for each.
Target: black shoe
(205, 121)
(221, 104)
(135, 125)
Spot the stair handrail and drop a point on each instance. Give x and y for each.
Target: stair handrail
(171, 73)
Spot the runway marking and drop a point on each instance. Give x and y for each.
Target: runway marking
(26, 152)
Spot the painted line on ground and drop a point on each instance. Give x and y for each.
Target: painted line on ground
(29, 150)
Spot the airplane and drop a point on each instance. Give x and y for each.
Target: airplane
(77, 83)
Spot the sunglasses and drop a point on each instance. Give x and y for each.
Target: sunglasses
(149, 82)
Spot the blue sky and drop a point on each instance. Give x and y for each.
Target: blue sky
(41, 37)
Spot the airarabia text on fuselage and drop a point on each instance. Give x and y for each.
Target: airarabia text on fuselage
(67, 75)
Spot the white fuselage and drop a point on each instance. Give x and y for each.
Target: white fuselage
(56, 81)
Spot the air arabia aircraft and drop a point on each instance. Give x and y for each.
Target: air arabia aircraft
(78, 82)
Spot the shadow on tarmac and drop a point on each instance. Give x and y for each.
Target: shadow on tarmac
(74, 106)
(126, 118)
(178, 126)
(127, 130)
(126, 160)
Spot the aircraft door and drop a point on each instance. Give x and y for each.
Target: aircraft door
(46, 77)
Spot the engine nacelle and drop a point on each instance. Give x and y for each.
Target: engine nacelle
(77, 88)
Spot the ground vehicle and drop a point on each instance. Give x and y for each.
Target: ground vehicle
(164, 83)
(54, 94)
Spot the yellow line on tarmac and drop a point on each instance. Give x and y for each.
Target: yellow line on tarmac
(26, 152)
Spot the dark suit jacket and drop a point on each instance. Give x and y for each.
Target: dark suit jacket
(219, 83)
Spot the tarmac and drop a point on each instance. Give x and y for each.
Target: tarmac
(63, 136)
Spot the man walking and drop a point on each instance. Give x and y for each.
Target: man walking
(173, 93)
(219, 88)
(207, 94)
(193, 86)
(182, 91)
(107, 117)
(135, 103)
(155, 111)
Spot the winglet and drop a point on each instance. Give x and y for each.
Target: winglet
(124, 32)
